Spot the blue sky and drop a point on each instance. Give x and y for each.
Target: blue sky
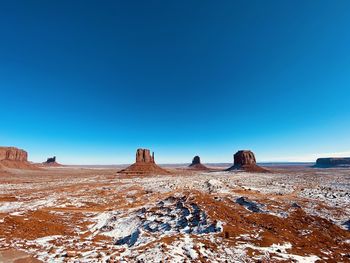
(91, 81)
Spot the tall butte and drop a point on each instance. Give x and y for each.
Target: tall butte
(245, 160)
(196, 164)
(144, 164)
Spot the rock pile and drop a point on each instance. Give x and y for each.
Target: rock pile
(12, 157)
(144, 164)
(196, 164)
(332, 162)
(245, 160)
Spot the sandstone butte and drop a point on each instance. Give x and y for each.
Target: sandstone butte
(144, 165)
(245, 160)
(197, 165)
(12, 157)
(51, 161)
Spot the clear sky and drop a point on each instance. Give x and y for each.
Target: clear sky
(91, 81)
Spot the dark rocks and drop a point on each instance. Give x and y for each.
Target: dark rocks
(245, 160)
(144, 164)
(196, 164)
(51, 160)
(332, 162)
(196, 160)
(171, 215)
(250, 205)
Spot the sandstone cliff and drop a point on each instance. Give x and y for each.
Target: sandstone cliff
(12, 157)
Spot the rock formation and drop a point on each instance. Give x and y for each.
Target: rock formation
(51, 161)
(13, 154)
(196, 164)
(144, 156)
(332, 162)
(12, 157)
(144, 164)
(245, 160)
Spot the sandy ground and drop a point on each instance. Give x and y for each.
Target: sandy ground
(295, 214)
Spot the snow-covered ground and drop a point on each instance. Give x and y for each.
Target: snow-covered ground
(91, 215)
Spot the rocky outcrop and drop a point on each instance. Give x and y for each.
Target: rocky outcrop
(51, 161)
(13, 154)
(144, 156)
(144, 165)
(245, 160)
(242, 158)
(196, 164)
(12, 157)
(332, 162)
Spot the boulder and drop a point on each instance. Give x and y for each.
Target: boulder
(332, 162)
(196, 164)
(144, 165)
(245, 160)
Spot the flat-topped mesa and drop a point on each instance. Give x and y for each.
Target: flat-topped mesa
(242, 157)
(144, 165)
(144, 156)
(333, 162)
(13, 154)
(245, 160)
(196, 164)
(12, 157)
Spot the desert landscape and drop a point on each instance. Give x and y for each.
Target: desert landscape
(148, 213)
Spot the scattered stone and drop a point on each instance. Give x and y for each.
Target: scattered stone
(249, 205)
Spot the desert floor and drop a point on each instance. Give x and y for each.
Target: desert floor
(295, 214)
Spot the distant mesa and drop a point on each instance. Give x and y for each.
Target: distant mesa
(197, 165)
(12, 157)
(51, 161)
(144, 164)
(245, 160)
(332, 162)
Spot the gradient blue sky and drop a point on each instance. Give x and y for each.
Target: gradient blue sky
(91, 81)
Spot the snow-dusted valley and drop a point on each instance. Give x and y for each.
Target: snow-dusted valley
(295, 214)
